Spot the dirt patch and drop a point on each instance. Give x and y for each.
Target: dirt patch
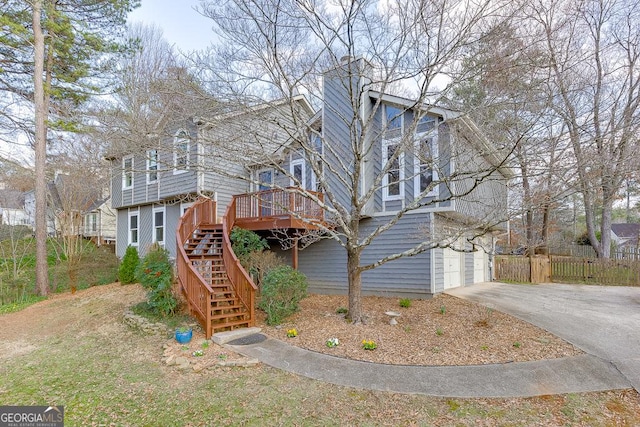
(443, 330)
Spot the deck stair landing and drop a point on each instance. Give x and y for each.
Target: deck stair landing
(204, 249)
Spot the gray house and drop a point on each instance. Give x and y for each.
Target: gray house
(151, 190)
(429, 171)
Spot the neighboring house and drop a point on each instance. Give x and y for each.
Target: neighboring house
(12, 211)
(30, 209)
(625, 235)
(152, 190)
(75, 208)
(99, 222)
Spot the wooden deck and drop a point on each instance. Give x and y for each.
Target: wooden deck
(279, 209)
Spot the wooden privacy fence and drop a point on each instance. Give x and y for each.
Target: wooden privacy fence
(568, 270)
(523, 269)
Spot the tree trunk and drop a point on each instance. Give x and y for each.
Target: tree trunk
(355, 285)
(605, 227)
(546, 208)
(42, 279)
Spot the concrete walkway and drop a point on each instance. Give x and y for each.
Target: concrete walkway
(604, 324)
(604, 321)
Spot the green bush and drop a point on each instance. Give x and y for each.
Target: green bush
(155, 273)
(244, 242)
(127, 269)
(282, 290)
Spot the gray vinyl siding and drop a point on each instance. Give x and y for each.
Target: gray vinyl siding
(171, 218)
(488, 201)
(122, 232)
(116, 185)
(438, 274)
(338, 121)
(145, 232)
(324, 262)
(445, 166)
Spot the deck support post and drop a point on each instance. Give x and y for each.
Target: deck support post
(294, 257)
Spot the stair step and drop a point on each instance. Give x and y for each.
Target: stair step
(218, 327)
(231, 317)
(225, 299)
(226, 307)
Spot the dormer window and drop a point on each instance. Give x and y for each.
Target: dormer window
(181, 147)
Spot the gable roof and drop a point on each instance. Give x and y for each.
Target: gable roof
(11, 199)
(466, 126)
(626, 231)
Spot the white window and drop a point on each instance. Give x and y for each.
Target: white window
(426, 155)
(152, 166)
(265, 179)
(91, 223)
(133, 228)
(181, 149)
(184, 207)
(393, 121)
(158, 225)
(297, 171)
(127, 172)
(393, 180)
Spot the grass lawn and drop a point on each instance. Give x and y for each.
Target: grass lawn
(74, 350)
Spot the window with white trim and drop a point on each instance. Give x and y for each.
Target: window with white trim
(133, 228)
(127, 172)
(393, 180)
(393, 121)
(91, 223)
(158, 225)
(181, 147)
(297, 171)
(425, 158)
(152, 166)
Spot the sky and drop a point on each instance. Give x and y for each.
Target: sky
(182, 26)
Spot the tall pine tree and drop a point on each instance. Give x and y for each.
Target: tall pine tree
(55, 55)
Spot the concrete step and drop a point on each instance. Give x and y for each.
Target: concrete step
(221, 338)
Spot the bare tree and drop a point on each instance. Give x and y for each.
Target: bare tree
(154, 89)
(505, 96)
(276, 50)
(593, 51)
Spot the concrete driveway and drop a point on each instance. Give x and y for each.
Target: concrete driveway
(601, 320)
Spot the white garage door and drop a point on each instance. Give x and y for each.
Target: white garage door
(480, 264)
(452, 268)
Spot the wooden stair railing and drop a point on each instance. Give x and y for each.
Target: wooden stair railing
(219, 292)
(242, 283)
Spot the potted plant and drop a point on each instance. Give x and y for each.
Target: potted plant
(184, 334)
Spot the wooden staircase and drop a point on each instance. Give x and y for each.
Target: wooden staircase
(220, 293)
(204, 249)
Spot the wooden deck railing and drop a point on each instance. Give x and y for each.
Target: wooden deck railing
(198, 293)
(238, 276)
(267, 204)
